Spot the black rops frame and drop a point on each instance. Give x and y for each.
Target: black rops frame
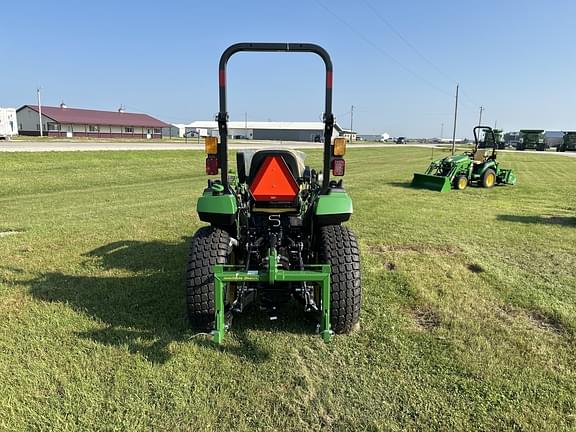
(477, 138)
(222, 117)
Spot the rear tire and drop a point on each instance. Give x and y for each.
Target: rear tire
(489, 178)
(339, 248)
(209, 246)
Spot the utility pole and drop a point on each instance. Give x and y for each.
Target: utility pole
(351, 121)
(39, 111)
(245, 125)
(480, 120)
(455, 119)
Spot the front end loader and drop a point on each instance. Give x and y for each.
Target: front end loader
(275, 232)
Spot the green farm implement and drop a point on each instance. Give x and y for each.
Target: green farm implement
(275, 233)
(531, 139)
(458, 171)
(568, 142)
(486, 142)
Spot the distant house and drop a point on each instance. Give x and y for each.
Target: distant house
(75, 122)
(350, 135)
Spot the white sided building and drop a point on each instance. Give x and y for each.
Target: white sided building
(259, 130)
(8, 123)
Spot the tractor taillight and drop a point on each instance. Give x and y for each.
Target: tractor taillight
(211, 165)
(338, 167)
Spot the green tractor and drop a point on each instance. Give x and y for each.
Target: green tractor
(531, 139)
(275, 232)
(568, 142)
(458, 171)
(486, 142)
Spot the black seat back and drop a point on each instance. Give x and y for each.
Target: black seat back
(260, 156)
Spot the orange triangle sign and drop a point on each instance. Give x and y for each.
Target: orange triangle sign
(274, 181)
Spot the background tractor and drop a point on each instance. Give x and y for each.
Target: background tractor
(458, 171)
(568, 142)
(275, 232)
(486, 141)
(531, 139)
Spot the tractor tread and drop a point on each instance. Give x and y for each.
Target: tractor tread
(339, 248)
(209, 246)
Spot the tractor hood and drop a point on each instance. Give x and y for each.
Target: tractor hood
(454, 159)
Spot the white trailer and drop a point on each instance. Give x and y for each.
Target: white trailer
(8, 123)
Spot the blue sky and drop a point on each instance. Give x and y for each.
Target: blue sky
(396, 62)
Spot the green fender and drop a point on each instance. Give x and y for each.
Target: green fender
(218, 209)
(487, 165)
(333, 208)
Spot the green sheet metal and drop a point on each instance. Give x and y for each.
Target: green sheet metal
(223, 204)
(432, 182)
(333, 203)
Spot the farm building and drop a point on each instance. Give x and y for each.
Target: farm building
(75, 122)
(257, 130)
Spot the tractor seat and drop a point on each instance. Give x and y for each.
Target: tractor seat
(480, 155)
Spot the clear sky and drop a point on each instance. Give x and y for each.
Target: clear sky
(397, 62)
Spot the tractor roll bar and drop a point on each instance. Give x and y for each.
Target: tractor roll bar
(222, 117)
(477, 137)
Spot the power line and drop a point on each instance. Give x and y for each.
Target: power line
(408, 43)
(416, 50)
(383, 51)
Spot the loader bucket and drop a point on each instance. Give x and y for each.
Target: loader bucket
(432, 182)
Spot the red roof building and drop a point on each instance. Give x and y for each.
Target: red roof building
(75, 122)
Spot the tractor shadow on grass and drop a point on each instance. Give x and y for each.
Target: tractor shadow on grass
(405, 185)
(133, 288)
(136, 289)
(549, 220)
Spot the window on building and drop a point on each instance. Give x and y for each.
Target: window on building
(53, 126)
(157, 130)
(93, 128)
(128, 130)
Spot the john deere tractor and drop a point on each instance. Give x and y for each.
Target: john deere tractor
(275, 232)
(531, 139)
(568, 142)
(458, 171)
(486, 142)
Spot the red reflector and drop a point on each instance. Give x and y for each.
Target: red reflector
(338, 167)
(274, 182)
(211, 165)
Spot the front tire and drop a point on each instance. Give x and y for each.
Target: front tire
(209, 246)
(461, 182)
(339, 248)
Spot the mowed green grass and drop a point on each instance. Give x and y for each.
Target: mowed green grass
(468, 319)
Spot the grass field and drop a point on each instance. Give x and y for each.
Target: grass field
(468, 321)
